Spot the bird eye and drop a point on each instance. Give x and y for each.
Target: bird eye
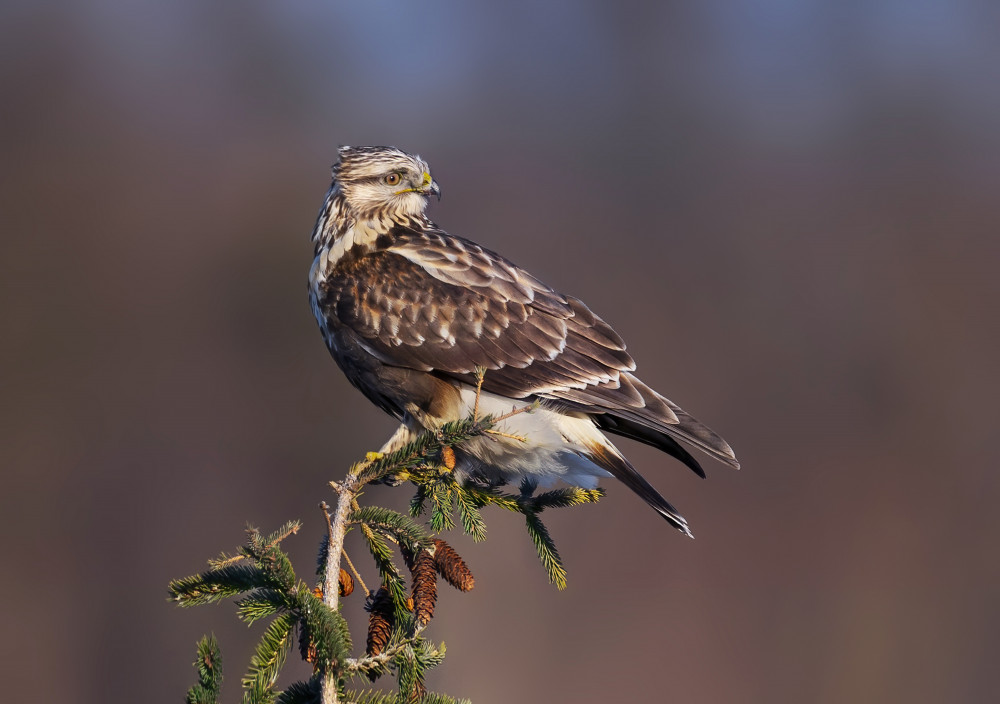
(392, 179)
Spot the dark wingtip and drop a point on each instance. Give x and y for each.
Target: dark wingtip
(654, 438)
(677, 521)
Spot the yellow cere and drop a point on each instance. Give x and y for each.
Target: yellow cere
(426, 182)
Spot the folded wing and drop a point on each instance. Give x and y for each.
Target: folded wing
(442, 304)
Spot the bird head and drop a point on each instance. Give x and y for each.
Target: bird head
(383, 181)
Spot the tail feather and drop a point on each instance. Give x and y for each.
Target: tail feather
(622, 470)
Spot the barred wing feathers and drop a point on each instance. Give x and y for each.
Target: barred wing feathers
(443, 304)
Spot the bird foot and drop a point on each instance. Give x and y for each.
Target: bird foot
(480, 376)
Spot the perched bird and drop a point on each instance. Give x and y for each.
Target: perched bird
(410, 312)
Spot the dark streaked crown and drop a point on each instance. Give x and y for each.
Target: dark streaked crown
(359, 163)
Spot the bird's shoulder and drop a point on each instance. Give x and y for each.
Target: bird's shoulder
(458, 261)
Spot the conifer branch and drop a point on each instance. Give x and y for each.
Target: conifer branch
(300, 693)
(392, 580)
(216, 585)
(261, 603)
(546, 549)
(472, 519)
(268, 660)
(337, 527)
(407, 533)
(224, 560)
(261, 574)
(209, 667)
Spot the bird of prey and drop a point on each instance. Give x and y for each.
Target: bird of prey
(410, 313)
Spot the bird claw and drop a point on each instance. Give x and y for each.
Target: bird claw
(394, 479)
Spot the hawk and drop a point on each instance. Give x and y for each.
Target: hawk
(410, 312)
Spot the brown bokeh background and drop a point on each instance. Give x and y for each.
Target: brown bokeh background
(790, 210)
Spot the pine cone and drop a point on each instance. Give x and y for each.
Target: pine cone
(424, 586)
(448, 457)
(346, 583)
(380, 620)
(452, 567)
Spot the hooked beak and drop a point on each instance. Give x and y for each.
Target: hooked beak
(430, 187)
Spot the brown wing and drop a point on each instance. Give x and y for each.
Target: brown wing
(440, 303)
(443, 305)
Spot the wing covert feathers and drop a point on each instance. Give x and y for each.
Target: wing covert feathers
(442, 304)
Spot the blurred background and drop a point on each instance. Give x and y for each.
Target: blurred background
(790, 210)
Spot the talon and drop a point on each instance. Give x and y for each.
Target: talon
(448, 457)
(372, 456)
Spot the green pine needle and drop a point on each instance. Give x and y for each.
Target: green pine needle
(371, 696)
(409, 535)
(322, 555)
(472, 519)
(326, 628)
(215, 585)
(546, 549)
(271, 560)
(261, 603)
(209, 667)
(561, 498)
(424, 450)
(257, 693)
(389, 573)
(409, 672)
(301, 693)
(435, 698)
(492, 497)
(290, 528)
(417, 502)
(427, 654)
(442, 506)
(415, 661)
(268, 660)
(224, 559)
